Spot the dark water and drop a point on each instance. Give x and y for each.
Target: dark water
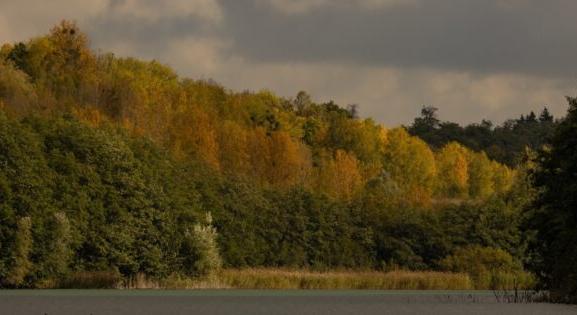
(141, 302)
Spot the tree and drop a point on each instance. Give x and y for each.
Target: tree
(483, 264)
(362, 137)
(21, 264)
(353, 110)
(18, 55)
(554, 216)
(59, 253)
(481, 184)
(5, 51)
(503, 177)
(428, 120)
(340, 176)
(411, 164)
(531, 118)
(233, 143)
(302, 102)
(16, 91)
(62, 63)
(453, 171)
(545, 116)
(193, 134)
(202, 258)
(290, 160)
(503, 143)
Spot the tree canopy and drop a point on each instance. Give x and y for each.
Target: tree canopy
(554, 217)
(112, 164)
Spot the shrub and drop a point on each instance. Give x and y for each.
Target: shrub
(490, 268)
(203, 258)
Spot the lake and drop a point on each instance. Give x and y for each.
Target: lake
(99, 302)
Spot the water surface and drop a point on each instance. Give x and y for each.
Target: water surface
(97, 302)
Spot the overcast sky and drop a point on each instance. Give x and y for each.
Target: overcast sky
(473, 59)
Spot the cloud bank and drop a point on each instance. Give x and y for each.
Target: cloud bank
(473, 59)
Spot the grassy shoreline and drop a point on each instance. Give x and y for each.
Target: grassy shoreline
(298, 279)
(287, 279)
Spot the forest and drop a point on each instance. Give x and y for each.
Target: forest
(118, 165)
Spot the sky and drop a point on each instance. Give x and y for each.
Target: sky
(472, 59)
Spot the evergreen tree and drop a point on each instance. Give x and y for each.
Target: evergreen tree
(555, 215)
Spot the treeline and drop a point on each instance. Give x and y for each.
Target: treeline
(77, 198)
(272, 141)
(505, 143)
(552, 219)
(111, 164)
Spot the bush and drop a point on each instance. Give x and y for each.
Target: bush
(490, 268)
(203, 256)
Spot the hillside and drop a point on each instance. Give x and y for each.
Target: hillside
(111, 164)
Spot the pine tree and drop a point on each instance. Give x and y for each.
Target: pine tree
(554, 217)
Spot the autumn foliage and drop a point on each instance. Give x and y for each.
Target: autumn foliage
(102, 143)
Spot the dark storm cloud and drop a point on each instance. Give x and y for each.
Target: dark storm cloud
(532, 36)
(471, 58)
(149, 37)
(481, 36)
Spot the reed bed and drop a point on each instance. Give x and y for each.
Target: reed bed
(298, 279)
(261, 278)
(501, 280)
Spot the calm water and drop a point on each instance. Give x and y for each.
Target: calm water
(97, 302)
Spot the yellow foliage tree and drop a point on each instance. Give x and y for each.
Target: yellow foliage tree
(290, 160)
(234, 151)
(481, 184)
(5, 50)
(16, 91)
(453, 171)
(410, 163)
(259, 154)
(63, 65)
(503, 177)
(277, 159)
(339, 176)
(143, 95)
(193, 134)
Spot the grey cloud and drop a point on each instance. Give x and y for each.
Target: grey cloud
(531, 36)
(148, 37)
(472, 58)
(482, 36)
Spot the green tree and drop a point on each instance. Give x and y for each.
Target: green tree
(21, 265)
(202, 257)
(59, 254)
(555, 211)
(485, 265)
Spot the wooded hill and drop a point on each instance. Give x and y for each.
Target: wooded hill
(111, 164)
